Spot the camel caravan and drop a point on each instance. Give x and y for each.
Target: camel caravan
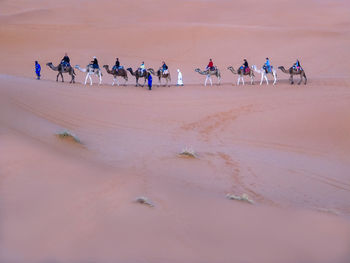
(163, 73)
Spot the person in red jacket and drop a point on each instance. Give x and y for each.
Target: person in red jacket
(210, 65)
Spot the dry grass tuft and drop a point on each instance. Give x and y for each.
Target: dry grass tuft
(188, 152)
(243, 197)
(145, 201)
(68, 135)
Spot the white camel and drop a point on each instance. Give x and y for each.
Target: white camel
(90, 71)
(263, 73)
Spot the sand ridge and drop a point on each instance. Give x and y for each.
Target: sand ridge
(286, 147)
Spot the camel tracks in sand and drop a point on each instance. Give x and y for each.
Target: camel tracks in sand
(216, 122)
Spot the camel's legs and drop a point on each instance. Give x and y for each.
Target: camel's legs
(125, 81)
(115, 80)
(274, 78)
(305, 78)
(62, 76)
(144, 82)
(301, 79)
(267, 80)
(206, 79)
(262, 78)
(243, 80)
(90, 79)
(100, 77)
(239, 78)
(291, 79)
(57, 77)
(86, 78)
(219, 80)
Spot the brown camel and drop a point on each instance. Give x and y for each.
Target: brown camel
(161, 75)
(210, 73)
(240, 72)
(120, 73)
(292, 71)
(139, 74)
(61, 70)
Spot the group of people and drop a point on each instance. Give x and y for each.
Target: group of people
(65, 62)
(246, 69)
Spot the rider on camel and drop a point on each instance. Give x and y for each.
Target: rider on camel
(116, 65)
(164, 68)
(210, 65)
(94, 63)
(267, 65)
(245, 66)
(297, 65)
(142, 67)
(65, 62)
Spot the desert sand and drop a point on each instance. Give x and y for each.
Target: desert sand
(286, 147)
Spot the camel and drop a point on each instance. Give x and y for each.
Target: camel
(263, 73)
(210, 73)
(139, 74)
(61, 70)
(293, 72)
(120, 73)
(161, 75)
(241, 74)
(90, 71)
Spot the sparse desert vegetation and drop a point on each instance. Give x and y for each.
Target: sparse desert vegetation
(243, 197)
(68, 135)
(188, 152)
(144, 200)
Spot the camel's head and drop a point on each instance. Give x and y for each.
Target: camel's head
(105, 66)
(281, 67)
(230, 67)
(129, 69)
(197, 70)
(49, 64)
(254, 67)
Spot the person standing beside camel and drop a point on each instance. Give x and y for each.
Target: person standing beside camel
(37, 70)
(179, 78)
(149, 82)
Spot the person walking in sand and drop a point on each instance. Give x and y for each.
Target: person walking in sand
(149, 81)
(37, 70)
(179, 78)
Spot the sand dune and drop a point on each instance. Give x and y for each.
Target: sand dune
(286, 147)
